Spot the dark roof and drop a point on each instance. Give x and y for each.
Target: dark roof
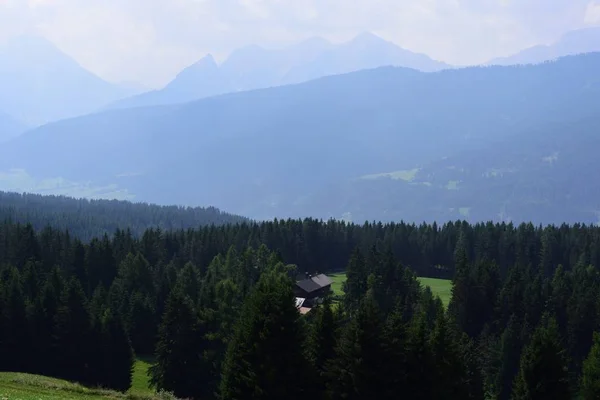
(314, 283)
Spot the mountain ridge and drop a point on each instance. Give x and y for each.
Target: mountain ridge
(585, 40)
(254, 67)
(276, 152)
(39, 83)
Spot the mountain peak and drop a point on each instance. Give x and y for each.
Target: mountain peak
(208, 60)
(367, 38)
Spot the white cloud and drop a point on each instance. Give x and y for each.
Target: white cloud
(151, 40)
(592, 13)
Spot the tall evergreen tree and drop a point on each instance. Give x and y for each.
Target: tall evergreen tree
(543, 370)
(118, 354)
(180, 365)
(354, 372)
(72, 334)
(264, 359)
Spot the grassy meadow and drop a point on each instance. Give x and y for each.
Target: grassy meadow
(440, 287)
(17, 386)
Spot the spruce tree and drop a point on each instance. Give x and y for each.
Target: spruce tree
(590, 381)
(180, 365)
(355, 285)
(72, 334)
(543, 371)
(14, 341)
(449, 370)
(264, 359)
(321, 342)
(354, 373)
(119, 358)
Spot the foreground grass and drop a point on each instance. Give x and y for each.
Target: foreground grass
(18, 386)
(440, 287)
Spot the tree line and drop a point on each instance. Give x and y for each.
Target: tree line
(215, 305)
(87, 219)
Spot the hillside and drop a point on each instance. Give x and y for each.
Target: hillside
(9, 127)
(301, 150)
(93, 218)
(39, 83)
(254, 67)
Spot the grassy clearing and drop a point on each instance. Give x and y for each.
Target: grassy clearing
(404, 175)
(338, 280)
(439, 287)
(140, 384)
(18, 386)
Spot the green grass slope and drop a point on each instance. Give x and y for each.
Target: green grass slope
(440, 287)
(19, 386)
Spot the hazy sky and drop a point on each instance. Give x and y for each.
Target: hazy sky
(151, 40)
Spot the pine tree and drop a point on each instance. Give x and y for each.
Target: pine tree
(322, 339)
(543, 370)
(419, 359)
(510, 345)
(119, 358)
(590, 381)
(355, 285)
(72, 334)
(393, 365)
(14, 340)
(180, 366)
(264, 359)
(142, 323)
(355, 371)
(449, 371)
(321, 342)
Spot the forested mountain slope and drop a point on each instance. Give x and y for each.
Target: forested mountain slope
(86, 219)
(283, 151)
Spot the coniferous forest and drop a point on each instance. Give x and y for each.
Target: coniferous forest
(216, 308)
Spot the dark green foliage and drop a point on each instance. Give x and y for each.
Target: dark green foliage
(355, 371)
(590, 380)
(216, 305)
(264, 359)
(14, 332)
(181, 366)
(88, 219)
(543, 367)
(118, 356)
(72, 334)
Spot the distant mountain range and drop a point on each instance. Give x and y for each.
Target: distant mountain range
(573, 42)
(39, 83)
(9, 127)
(386, 143)
(254, 67)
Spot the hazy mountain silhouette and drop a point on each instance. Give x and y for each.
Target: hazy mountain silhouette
(254, 67)
(39, 83)
(9, 127)
(574, 42)
(348, 144)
